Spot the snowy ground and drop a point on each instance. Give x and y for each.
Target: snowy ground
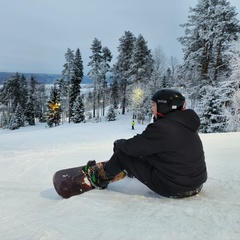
(30, 208)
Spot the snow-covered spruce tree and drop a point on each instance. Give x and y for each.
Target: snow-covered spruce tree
(23, 93)
(12, 122)
(14, 93)
(114, 93)
(68, 76)
(31, 101)
(19, 91)
(213, 117)
(235, 116)
(231, 89)
(106, 59)
(54, 107)
(100, 60)
(17, 118)
(29, 112)
(164, 83)
(229, 95)
(121, 70)
(111, 114)
(169, 81)
(141, 62)
(4, 120)
(95, 73)
(75, 87)
(78, 110)
(62, 87)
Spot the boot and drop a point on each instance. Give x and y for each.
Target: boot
(98, 177)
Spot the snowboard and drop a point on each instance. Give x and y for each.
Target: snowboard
(74, 181)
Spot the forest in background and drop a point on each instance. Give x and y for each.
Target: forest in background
(208, 77)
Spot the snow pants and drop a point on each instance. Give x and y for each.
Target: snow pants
(140, 168)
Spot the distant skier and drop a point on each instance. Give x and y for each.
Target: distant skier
(168, 156)
(133, 123)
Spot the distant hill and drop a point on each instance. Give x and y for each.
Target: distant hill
(40, 77)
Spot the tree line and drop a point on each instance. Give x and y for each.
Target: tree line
(208, 76)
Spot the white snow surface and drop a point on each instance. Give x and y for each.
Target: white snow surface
(31, 209)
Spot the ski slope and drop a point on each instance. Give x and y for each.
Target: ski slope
(31, 209)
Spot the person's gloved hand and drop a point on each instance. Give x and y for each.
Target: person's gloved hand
(117, 144)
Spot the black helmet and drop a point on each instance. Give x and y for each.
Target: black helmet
(168, 100)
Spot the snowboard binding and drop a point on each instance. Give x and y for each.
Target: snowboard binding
(98, 177)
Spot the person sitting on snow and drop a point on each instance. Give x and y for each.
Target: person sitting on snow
(167, 156)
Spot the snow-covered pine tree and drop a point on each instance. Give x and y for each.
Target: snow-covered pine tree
(121, 70)
(106, 59)
(14, 93)
(68, 76)
(111, 114)
(235, 116)
(114, 93)
(75, 88)
(141, 63)
(18, 119)
(63, 94)
(29, 112)
(213, 117)
(23, 93)
(231, 89)
(12, 122)
(169, 80)
(229, 93)
(95, 73)
(54, 107)
(78, 110)
(164, 83)
(31, 102)
(4, 120)
(62, 86)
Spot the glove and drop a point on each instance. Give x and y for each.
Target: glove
(117, 144)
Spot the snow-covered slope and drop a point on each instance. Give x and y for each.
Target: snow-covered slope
(31, 209)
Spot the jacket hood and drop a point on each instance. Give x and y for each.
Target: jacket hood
(188, 118)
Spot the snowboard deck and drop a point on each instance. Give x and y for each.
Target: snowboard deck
(74, 181)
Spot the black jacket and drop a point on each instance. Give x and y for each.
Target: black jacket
(174, 150)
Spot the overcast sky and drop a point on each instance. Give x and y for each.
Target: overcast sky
(35, 34)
